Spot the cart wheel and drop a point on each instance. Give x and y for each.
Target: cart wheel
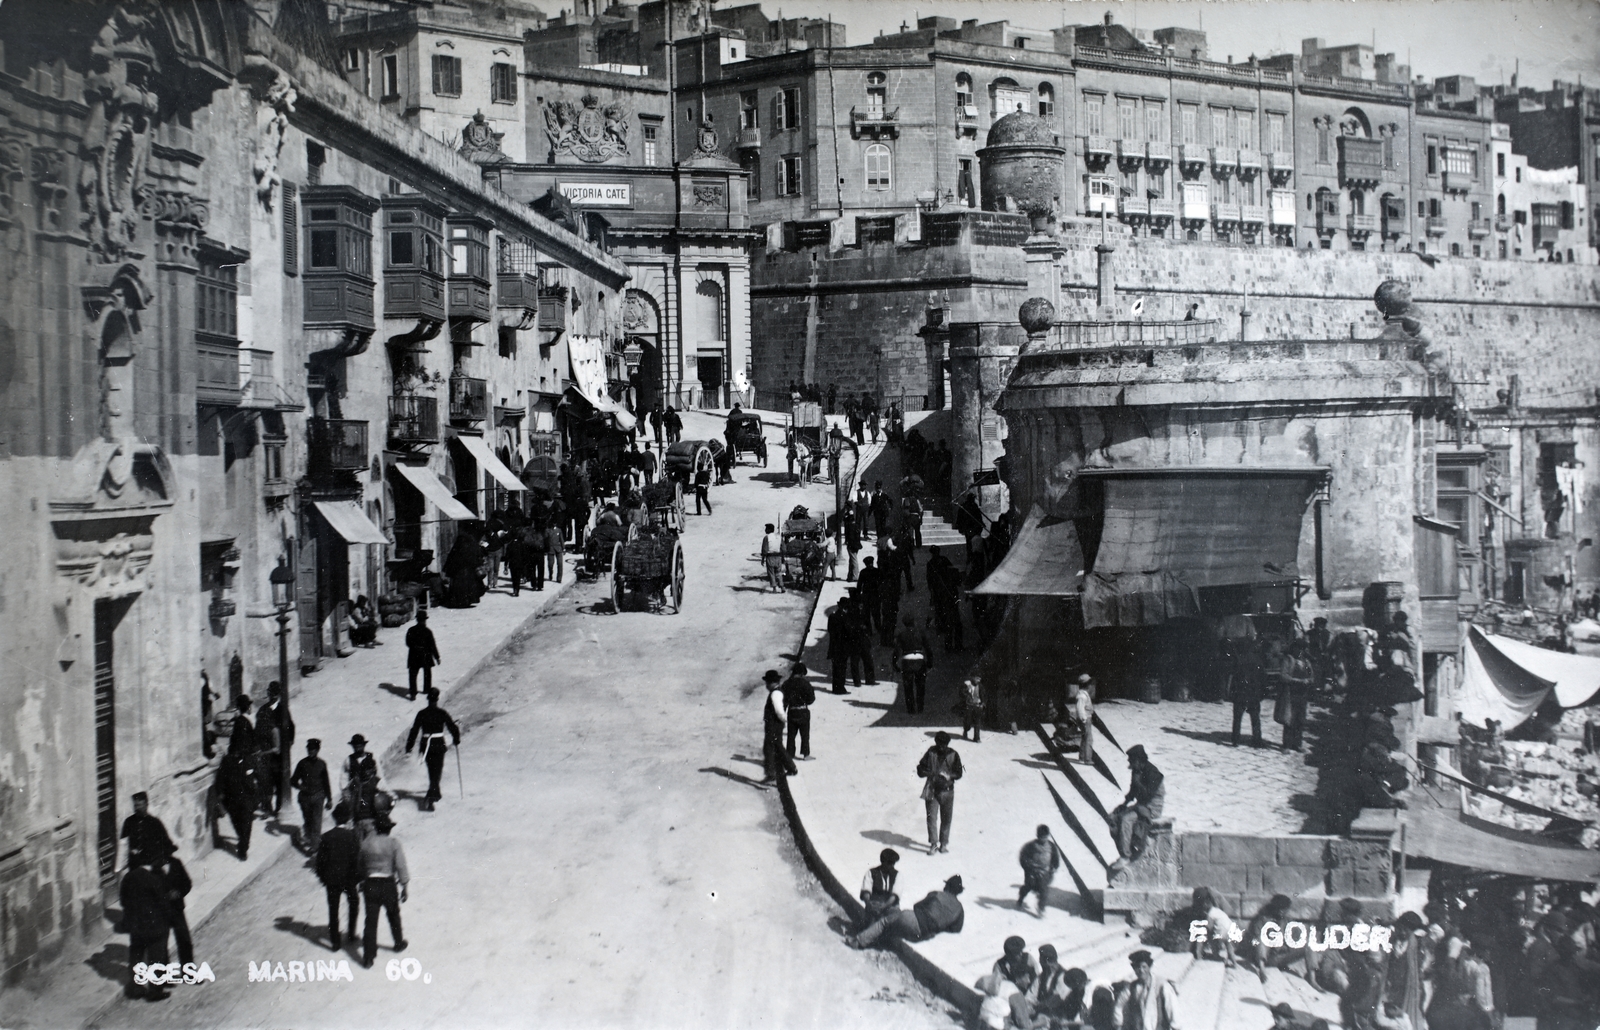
(677, 577)
(616, 578)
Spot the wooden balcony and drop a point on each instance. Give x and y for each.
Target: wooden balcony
(413, 420)
(875, 123)
(1253, 214)
(1130, 153)
(1163, 210)
(1360, 162)
(1479, 228)
(1224, 159)
(469, 400)
(1135, 209)
(336, 445)
(1226, 214)
(1098, 151)
(413, 293)
(1249, 163)
(217, 376)
(1362, 225)
(1436, 225)
(1280, 165)
(748, 139)
(1192, 156)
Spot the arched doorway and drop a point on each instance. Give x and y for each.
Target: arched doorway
(641, 324)
(711, 339)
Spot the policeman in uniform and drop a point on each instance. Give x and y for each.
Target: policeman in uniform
(431, 723)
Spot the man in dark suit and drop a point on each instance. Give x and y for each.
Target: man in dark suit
(868, 588)
(799, 695)
(146, 835)
(178, 885)
(146, 918)
(422, 652)
(276, 747)
(338, 867)
(841, 648)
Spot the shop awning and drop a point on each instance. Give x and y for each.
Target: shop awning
(1448, 836)
(350, 522)
(422, 477)
(1044, 560)
(491, 463)
(1507, 680)
(619, 416)
(1170, 532)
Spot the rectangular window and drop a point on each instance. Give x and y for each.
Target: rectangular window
(1246, 123)
(1276, 138)
(391, 77)
(788, 112)
(291, 230)
(749, 110)
(446, 76)
(1047, 104)
(217, 298)
(1502, 250)
(1093, 115)
(965, 192)
(402, 248)
(878, 165)
(1152, 122)
(877, 101)
(1458, 161)
(1433, 208)
(1455, 250)
(1127, 121)
(1219, 126)
(1324, 144)
(789, 176)
(350, 59)
(1568, 213)
(324, 249)
(1190, 116)
(1477, 211)
(1008, 99)
(651, 134)
(502, 83)
(750, 161)
(1500, 165)
(1433, 159)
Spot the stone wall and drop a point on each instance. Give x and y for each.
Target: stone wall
(1244, 872)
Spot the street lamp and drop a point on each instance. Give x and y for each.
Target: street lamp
(282, 579)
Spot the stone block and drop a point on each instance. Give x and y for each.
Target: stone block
(1303, 851)
(1290, 879)
(1239, 850)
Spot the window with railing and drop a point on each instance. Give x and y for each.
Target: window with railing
(1047, 100)
(750, 110)
(877, 95)
(217, 296)
(965, 105)
(1154, 122)
(1189, 119)
(1094, 114)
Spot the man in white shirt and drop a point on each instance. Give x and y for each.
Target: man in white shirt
(772, 557)
(1150, 1002)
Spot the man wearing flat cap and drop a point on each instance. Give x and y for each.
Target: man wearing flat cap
(316, 793)
(1150, 1002)
(432, 723)
(338, 866)
(384, 877)
(939, 912)
(774, 715)
(1147, 796)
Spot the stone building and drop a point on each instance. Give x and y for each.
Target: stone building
(1540, 214)
(1555, 129)
(250, 318)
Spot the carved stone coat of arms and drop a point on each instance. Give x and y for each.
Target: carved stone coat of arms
(586, 130)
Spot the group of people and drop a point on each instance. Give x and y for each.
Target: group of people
(1020, 993)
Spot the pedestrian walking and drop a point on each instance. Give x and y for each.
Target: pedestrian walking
(178, 885)
(1150, 1002)
(239, 793)
(833, 395)
(972, 708)
(1146, 797)
(1080, 694)
(913, 658)
(554, 559)
(852, 544)
(1040, 858)
(655, 423)
(1247, 685)
(338, 865)
(773, 716)
(841, 649)
(1295, 679)
(361, 776)
(146, 835)
(316, 794)
(146, 916)
(517, 557)
(799, 695)
(275, 736)
(830, 556)
(772, 558)
(882, 507)
(867, 589)
(384, 877)
(702, 490)
(944, 592)
(873, 423)
(878, 897)
(863, 509)
(939, 912)
(857, 425)
(431, 723)
(939, 768)
(537, 545)
(888, 580)
(861, 640)
(911, 518)
(422, 653)
(674, 424)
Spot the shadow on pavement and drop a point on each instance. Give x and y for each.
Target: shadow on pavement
(604, 607)
(110, 962)
(892, 839)
(747, 758)
(396, 689)
(1220, 737)
(735, 777)
(289, 924)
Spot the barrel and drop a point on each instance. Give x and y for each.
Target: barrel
(1150, 690)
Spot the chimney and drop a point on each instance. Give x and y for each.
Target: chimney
(1108, 18)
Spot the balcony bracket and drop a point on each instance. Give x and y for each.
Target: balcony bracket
(413, 339)
(338, 342)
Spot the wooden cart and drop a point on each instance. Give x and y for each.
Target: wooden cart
(663, 499)
(649, 566)
(803, 546)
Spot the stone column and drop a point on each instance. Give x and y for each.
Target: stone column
(935, 340)
(981, 357)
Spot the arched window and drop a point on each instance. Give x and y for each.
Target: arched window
(1047, 100)
(877, 94)
(879, 162)
(708, 311)
(1009, 97)
(964, 94)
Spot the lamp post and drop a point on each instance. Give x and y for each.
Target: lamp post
(282, 580)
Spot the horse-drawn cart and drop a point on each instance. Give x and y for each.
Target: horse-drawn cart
(601, 546)
(803, 546)
(650, 564)
(664, 501)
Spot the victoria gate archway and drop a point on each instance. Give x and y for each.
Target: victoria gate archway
(641, 324)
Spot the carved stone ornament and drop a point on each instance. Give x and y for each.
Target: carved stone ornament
(279, 98)
(123, 111)
(588, 131)
(481, 144)
(706, 142)
(13, 162)
(709, 193)
(638, 316)
(102, 517)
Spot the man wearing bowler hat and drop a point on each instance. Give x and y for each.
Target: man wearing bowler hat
(361, 778)
(422, 652)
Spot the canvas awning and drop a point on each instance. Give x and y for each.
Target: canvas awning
(619, 416)
(422, 477)
(1168, 533)
(1448, 836)
(350, 522)
(1507, 680)
(1044, 560)
(490, 462)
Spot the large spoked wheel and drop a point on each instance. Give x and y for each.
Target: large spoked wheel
(677, 577)
(616, 577)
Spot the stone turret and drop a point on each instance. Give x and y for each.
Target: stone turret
(1023, 168)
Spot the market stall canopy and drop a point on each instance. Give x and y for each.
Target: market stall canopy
(422, 477)
(491, 463)
(1045, 559)
(1507, 680)
(620, 417)
(1446, 835)
(1168, 533)
(348, 520)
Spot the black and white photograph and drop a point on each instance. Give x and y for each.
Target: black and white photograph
(881, 514)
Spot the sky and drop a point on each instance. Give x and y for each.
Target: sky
(1481, 38)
